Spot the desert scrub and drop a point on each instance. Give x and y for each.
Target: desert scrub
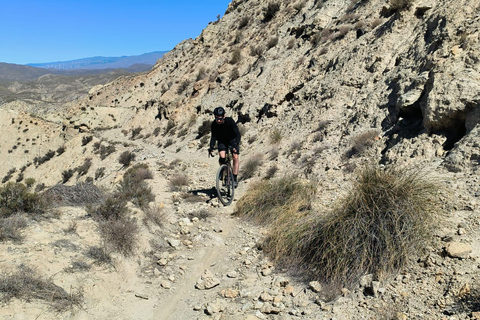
(361, 143)
(133, 186)
(16, 197)
(383, 222)
(250, 167)
(126, 158)
(78, 195)
(275, 136)
(26, 284)
(272, 201)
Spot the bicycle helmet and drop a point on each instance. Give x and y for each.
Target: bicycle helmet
(219, 112)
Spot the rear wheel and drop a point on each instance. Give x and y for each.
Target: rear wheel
(225, 185)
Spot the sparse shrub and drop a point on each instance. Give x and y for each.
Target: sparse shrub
(170, 126)
(183, 86)
(26, 284)
(201, 74)
(99, 255)
(60, 150)
(9, 175)
(191, 197)
(111, 208)
(295, 146)
(361, 142)
(119, 235)
(400, 5)
(15, 198)
(105, 151)
(271, 172)
(67, 174)
(86, 140)
(80, 194)
(78, 266)
(243, 22)
(249, 168)
(182, 133)
(19, 177)
(252, 139)
(203, 141)
(156, 215)
(275, 136)
(234, 74)
(273, 154)
(133, 187)
(29, 182)
(204, 128)
(272, 42)
(383, 222)
(256, 51)
(236, 56)
(270, 11)
(202, 214)
(156, 131)
(168, 143)
(135, 132)
(178, 181)
(40, 160)
(99, 173)
(126, 158)
(83, 169)
(11, 227)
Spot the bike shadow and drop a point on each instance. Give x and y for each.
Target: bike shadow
(211, 193)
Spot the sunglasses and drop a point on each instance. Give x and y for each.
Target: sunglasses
(219, 118)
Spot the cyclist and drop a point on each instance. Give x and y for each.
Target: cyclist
(225, 132)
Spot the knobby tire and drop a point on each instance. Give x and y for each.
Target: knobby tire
(225, 185)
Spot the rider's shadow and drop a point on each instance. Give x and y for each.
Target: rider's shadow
(210, 193)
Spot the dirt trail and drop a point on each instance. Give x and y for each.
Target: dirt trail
(212, 253)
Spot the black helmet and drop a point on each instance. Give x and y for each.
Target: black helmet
(219, 111)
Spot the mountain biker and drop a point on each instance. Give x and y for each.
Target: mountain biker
(225, 131)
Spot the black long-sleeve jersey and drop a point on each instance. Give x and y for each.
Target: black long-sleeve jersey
(225, 133)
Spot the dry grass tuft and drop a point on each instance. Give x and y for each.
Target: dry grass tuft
(274, 200)
(178, 181)
(377, 228)
(26, 284)
(250, 167)
(11, 227)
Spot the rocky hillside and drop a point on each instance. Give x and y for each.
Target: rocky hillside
(318, 88)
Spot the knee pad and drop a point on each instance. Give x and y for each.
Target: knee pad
(222, 160)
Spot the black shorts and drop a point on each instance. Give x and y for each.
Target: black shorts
(223, 147)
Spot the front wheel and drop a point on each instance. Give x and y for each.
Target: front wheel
(225, 185)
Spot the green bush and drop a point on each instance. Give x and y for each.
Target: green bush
(16, 198)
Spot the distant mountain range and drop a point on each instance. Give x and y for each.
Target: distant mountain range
(96, 63)
(146, 60)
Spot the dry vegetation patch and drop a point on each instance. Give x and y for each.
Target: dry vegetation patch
(376, 228)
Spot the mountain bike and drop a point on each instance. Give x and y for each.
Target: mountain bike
(224, 180)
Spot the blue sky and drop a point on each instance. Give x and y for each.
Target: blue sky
(37, 31)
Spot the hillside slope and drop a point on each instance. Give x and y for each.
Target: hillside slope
(319, 89)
